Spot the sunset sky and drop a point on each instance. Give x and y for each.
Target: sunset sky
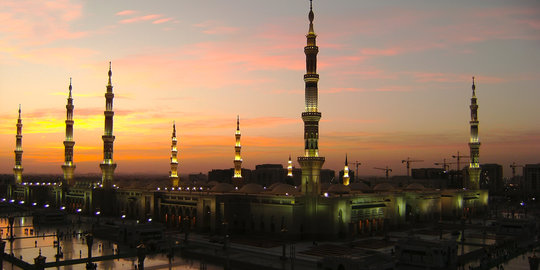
(395, 81)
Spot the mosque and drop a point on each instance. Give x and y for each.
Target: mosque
(308, 210)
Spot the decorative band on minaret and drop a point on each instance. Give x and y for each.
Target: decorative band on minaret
(18, 169)
(69, 167)
(173, 175)
(474, 143)
(289, 167)
(108, 166)
(237, 156)
(346, 177)
(311, 163)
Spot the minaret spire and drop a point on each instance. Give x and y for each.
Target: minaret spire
(69, 167)
(108, 166)
(18, 169)
(311, 163)
(289, 167)
(474, 143)
(174, 159)
(237, 157)
(346, 172)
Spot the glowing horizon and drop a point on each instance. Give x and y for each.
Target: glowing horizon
(394, 82)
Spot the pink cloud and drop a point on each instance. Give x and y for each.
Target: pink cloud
(142, 18)
(214, 27)
(162, 20)
(451, 77)
(31, 23)
(380, 52)
(64, 56)
(334, 90)
(126, 12)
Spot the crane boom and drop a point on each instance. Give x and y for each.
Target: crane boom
(408, 161)
(386, 170)
(458, 157)
(356, 163)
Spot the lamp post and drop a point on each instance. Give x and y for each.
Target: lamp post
(89, 243)
(141, 255)
(284, 249)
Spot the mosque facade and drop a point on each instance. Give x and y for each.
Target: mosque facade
(308, 210)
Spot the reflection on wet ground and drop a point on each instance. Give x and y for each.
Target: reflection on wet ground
(29, 241)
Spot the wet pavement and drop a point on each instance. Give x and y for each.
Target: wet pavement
(29, 241)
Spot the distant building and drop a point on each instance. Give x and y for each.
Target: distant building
(198, 178)
(328, 176)
(428, 173)
(492, 178)
(268, 174)
(531, 178)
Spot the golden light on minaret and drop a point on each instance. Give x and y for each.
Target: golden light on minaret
(311, 163)
(237, 149)
(289, 167)
(18, 169)
(174, 160)
(474, 143)
(108, 166)
(69, 167)
(346, 172)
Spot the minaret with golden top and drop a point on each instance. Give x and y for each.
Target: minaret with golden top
(174, 160)
(108, 166)
(311, 163)
(69, 167)
(289, 167)
(346, 172)
(237, 156)
(474, 144)
(18, 169)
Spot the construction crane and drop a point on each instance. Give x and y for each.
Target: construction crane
(445, 165)
(356, 177)
(514, 166)
(408, 161)
(386, 170)
(458, 157)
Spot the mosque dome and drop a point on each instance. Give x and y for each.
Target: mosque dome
(251, 188)
(383, 187)
(222, 187)
(339, 189)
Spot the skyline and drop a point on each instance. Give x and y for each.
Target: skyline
(404, 72)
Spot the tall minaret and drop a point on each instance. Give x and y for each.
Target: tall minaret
(174, 159)
(346, 172)
(68, 167)
(18, 169)
(289, 167)
(237, 156)
(311, 163)
(108, 166)
(474, 144)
